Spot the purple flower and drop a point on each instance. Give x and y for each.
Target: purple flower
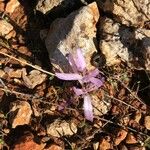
(89, 80)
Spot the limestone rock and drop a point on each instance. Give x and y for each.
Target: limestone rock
(2, 73)
(46, 5)
(61, 128)
(147, 122)
(100, 106)
(11, 6)
(20, 113)
(120, 136)
(34, 78)
(78, 30)
(27, 142)
(2, 6)
(130, 139)
(105, 144)
(128, 12)
(5, 27)
(13, 73)
(119, 42)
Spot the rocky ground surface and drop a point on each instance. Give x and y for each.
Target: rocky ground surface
(38, 111)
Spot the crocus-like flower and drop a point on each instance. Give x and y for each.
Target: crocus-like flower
(89, 81)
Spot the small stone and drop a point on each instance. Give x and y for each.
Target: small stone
(95, 145)
(2, 6)
(130, 139)
(27, 142)
(120, 136)
(138, 116)
(105, 144)
(75, 31)
(13, 73)
(46, 5)
(61, 128)
(128, 12)
(100, 106)
(24, 50)
(34, 78)
(19, 16)
(5, 27)
(2, 73)
(12, 34)
(147, 122)
(125, 120)
(11, 6)
(20, 113)
(54, 147)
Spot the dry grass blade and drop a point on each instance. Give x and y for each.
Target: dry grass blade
(122, 126)
(122, 102)
(28, 64)
(136, 97)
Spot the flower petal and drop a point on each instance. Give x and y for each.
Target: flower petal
(80, 61)
(96, 82)
(90, 74)
(93, 73)
(88, 109)
(72, 63)
(78, 91)
(68, 76)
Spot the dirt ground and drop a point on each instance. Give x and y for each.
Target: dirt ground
(34, 105)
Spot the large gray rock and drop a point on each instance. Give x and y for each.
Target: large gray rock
(128, 12)
(121, 43)
(65, 35)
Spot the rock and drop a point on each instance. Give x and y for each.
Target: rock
(19, 16)
(147, 122)
(12, 34)
(13, 73)
(2, 6)
(24, 50)
(138, 116)
(46, 5)
(75, 31)
(61, 128)
(120, 136)
(34, 78)
(123, 43)
(95, 145)
(125, 120)
(128, 12)
(2, 73)
(105, 144)
(130, 139)
(100, 106)
(27, 142)
(5, 27)
(11, 6)
(54, 147)
(20, 113)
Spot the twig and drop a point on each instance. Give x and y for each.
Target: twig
(131, 129)
(131, 92)
(18, 93)
(122, 102)
(28, 64)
